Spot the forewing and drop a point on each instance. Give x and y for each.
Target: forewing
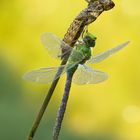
(54, 45)
(86, 75)
(104, 55)
(44, 75)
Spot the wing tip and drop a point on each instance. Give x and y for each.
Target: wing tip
(26, 76)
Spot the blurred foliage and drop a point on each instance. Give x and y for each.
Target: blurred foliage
(107, 111)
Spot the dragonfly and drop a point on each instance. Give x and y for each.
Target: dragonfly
(77, 67)
(88, 15)
(79, 59)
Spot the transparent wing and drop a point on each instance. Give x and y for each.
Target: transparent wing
(86, 75)
(54, 45)
(44, 75)
(104, 55)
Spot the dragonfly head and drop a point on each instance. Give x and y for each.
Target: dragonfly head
(89, 39)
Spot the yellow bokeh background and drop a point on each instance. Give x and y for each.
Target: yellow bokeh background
(110, 109)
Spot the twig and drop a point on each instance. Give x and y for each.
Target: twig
(87, 16)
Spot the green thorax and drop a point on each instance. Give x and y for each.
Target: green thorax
(81, 53)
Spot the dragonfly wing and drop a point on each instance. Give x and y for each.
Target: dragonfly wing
(54, 45)
(86, 75)
(44, 75)
(107, 53)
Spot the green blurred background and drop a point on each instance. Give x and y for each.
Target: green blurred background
(107, 111)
